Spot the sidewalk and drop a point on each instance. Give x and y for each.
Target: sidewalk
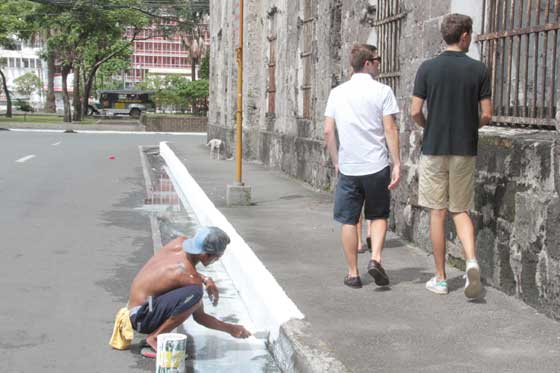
(403, 329)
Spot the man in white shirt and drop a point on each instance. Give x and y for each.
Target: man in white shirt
(362, 111)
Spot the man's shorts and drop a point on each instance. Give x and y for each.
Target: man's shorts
(368, 191)
(148, 318)
(447, 182)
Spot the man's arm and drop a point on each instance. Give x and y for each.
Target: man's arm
(330, 141)
(392, 138)
(211, 289)
(211, 322)
(486, 112)
(416, 111)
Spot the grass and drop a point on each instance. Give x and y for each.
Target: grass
(54, 119)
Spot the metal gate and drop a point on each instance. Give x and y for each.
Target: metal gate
(519, 44)
(387, 24)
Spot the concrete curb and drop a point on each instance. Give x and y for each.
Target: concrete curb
(289, 341)
(296, 350)
(267, 303)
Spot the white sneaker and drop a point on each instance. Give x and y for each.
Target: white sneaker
(473, 286)
(438, 287)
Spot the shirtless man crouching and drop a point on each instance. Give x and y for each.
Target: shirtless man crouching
(168, 289)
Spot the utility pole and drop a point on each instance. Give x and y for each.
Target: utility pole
(239, 194)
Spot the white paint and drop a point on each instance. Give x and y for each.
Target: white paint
(56, 143)
(473, 9)
(26, 158)
(268, 304)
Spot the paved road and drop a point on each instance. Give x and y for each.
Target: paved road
(70, 243)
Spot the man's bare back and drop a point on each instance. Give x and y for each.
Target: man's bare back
(168, 269)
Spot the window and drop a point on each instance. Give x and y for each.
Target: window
(519, 44)
(11, 62)
(18, 62)
(306, 56)
(25, 63)
(387, 24)
(271, 89)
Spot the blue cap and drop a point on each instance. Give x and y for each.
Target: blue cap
(209, 240)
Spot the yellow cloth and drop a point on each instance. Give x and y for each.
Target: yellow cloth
(122, 331)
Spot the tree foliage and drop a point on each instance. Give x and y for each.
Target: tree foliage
(205, 67)
(27, 84)
(12, 23)
(95, 37)
(177, 93)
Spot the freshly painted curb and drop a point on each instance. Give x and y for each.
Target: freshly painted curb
(267, 303)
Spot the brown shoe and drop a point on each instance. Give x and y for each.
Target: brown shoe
(363, 249)
(378, 273)
(353, 282)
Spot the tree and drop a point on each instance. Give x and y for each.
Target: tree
(12, 23)
(104, 77)
(27, 83)
(205, 66)
(5, 89)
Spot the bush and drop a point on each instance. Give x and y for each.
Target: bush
(24, 106)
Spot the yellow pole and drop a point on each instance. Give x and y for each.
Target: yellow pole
(239, 114)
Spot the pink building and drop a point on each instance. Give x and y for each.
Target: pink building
(157, 55)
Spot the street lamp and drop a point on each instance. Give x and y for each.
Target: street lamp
(239, 193)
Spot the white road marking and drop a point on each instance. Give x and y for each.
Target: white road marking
(26, 158)
(56, 143)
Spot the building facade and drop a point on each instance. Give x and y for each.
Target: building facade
(163, 55)
(23, 58)
(295, 52)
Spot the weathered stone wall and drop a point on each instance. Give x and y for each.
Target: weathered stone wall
(517, 206)
(174, 123)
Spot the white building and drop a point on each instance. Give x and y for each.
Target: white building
(24, 58)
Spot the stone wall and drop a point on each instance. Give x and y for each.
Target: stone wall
(517, 204)
(174, 123)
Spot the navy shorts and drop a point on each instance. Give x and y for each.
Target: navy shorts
(163, 307)
(368, 191)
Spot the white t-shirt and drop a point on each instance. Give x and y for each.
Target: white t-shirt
(358, 107)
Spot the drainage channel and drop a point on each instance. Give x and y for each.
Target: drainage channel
(208, 350)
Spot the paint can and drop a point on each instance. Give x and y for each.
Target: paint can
(171, 350)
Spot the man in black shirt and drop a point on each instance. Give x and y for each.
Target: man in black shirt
(453, 85)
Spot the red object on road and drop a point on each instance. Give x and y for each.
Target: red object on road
(112, 157)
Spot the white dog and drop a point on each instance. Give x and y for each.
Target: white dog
(216, 148)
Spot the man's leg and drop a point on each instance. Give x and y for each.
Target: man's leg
(378, 229)
(348, 202)
(465, 231)
(461, 199)
(349, 237)
(437, 235)
(170, 324)
(359, 232)
(368, 236)
(377, 209)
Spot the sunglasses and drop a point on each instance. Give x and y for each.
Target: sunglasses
(378, 59)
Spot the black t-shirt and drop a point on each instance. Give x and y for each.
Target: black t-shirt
(452, 84)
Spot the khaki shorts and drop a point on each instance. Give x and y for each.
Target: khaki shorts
(447, 182)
